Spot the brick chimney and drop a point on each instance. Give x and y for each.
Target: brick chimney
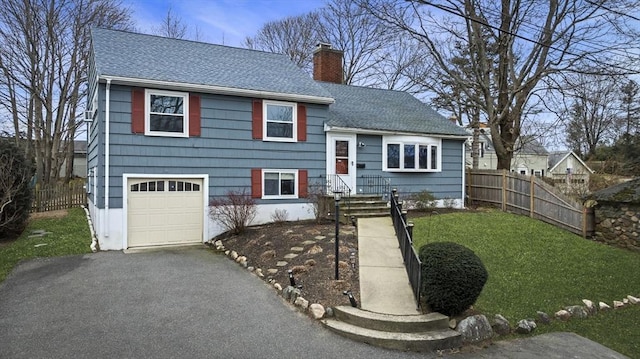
(327, 64)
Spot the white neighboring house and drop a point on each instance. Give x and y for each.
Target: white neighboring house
(568, 172)
(530, 158)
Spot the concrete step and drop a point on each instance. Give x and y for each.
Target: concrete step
(420, 341)
(391, 323)
(360, 214)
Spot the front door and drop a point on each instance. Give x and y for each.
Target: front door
(342, 158)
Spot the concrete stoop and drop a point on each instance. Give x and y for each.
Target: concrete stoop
(426, 332)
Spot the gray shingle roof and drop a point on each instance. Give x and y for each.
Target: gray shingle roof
(139, 56)
(385, 110)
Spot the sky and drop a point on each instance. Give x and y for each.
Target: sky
(226, 22)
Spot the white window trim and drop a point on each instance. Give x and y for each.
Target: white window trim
(411, 140)
(294, 117)
(147, 117)
(281, 171)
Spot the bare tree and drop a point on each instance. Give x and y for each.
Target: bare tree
(295, 36)
(631, 106)
(591, 112)
(530, 40)
(15, 193)
(171, 26)
(44, 50)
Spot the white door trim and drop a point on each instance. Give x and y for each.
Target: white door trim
(330, 159)
(125, 194)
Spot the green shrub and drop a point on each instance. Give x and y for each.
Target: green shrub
(15, 191)
(452, 277)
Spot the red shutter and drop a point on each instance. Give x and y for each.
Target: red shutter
(137, 110)
(303, 184)
(257, 119)
(302, 123)
(256, 183)
(194, 115)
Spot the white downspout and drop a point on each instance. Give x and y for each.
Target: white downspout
(106, 158)
(464, 174)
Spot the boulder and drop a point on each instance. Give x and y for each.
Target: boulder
(501, 325)
(577, 311)
(562, 315)
(328, 312)
(301, 302)
(603, 306)
(633, 300)
(590, 307)
(544, 317)
(525, 326)
(233, 255)
(317, 310)
(277, 286)
(617, 304)
(475, 329)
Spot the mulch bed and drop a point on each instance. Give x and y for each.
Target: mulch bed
(308, 249)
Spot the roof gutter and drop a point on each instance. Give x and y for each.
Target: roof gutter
(364, 131)
(219, 90)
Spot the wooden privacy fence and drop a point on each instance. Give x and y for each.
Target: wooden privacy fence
(58, 196)
(531, 196)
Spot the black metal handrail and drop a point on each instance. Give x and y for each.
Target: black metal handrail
(404, 233)
(373, 184)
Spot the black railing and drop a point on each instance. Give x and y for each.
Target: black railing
(373, 185)
(404, 232)
(331, 184)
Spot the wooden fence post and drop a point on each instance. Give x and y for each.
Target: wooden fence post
(532, 196)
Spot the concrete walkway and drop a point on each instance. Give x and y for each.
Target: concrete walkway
(384, 283)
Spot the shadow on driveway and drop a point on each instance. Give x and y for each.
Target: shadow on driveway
(186, 303)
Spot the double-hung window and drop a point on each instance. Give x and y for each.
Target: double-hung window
(166, 113)
(280, 184)
(280, 122)
(411, 154)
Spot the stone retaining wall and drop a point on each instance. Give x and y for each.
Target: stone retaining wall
(618, 224)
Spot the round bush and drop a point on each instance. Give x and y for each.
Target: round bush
(15, 192)
(452, 277)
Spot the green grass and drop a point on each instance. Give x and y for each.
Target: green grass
(69, 235)
(535, 266)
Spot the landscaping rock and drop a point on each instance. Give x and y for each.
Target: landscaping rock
(268, 254)
(501, 325)
(277, 286)
(233, 255)
(544, 317)
(258, 272)
(301, 302)
(525, 326)
(577, 311)
(281, 264)
(251, 268)
(241, 259)
(319, 238)
(604, 306)
(328, 312)
(633, 300)
(453, 323)
(272, 271)
(617, 304)
(226, 253)
(625, 301)
(297, 249)
(590, 307)
(562, 315)
(290, 256)
(308, 242)
(475, 329)
(317, 310)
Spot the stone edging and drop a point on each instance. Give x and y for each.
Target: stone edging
(289, 293)
(477, 328)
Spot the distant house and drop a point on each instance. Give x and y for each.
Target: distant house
(530, 157)
(175, 123)
(568, 172)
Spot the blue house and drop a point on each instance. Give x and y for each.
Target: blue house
(174, 123)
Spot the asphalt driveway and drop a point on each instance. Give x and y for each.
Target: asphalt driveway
(186, 303)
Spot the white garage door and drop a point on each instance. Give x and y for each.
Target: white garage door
(164, 211)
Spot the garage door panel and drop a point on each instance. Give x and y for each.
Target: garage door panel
(170, 214)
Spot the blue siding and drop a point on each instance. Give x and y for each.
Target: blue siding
(444, 184)
(225, 150)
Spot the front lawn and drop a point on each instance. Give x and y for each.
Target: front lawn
(69, 235)
(534, 266)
